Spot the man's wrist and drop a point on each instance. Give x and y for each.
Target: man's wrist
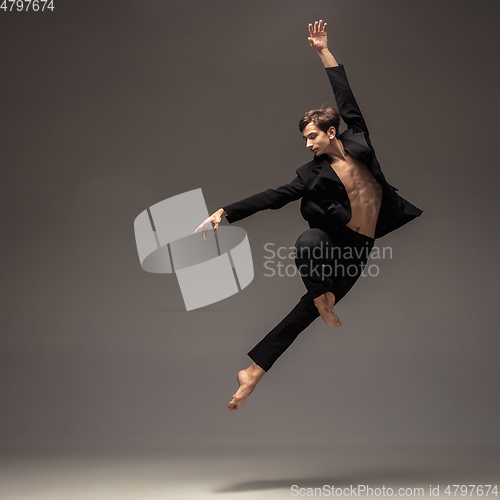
(327, 58)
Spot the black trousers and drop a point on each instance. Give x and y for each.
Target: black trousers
(327, 261)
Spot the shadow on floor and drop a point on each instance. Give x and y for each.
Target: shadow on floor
(390, 478)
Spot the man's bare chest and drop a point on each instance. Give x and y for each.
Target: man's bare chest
(355, 176)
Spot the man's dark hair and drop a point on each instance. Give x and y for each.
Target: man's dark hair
(323, 118)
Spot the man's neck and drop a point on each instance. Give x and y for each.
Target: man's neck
(336, 151)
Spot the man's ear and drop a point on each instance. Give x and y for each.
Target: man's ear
(331, 133)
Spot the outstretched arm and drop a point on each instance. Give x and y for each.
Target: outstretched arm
(319, 41)
(271, 198)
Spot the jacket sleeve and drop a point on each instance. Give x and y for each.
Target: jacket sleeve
(271, 198)
(346, 103)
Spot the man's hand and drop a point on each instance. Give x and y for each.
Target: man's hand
(318, 39)
(212, 221)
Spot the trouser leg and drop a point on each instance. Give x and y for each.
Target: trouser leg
(313, 250)
(342, 270)
(275, 343)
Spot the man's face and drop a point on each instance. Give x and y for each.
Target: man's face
(317, 140)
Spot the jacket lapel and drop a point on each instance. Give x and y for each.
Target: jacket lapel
(327, 171)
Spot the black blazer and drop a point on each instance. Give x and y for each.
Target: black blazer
(325, 203)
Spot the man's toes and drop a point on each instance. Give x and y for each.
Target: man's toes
(233, 404)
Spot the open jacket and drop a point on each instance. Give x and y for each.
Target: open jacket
(325, 203)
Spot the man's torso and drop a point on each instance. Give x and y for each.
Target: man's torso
(364, 192)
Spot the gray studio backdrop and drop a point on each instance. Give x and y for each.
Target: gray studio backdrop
(109, 107)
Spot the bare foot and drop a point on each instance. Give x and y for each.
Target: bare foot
(247, 379)
(325, 304)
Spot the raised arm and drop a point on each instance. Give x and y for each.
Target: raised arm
(346, 103)
(319, 41)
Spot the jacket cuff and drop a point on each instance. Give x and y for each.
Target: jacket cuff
(336, 69)
(230, 218)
